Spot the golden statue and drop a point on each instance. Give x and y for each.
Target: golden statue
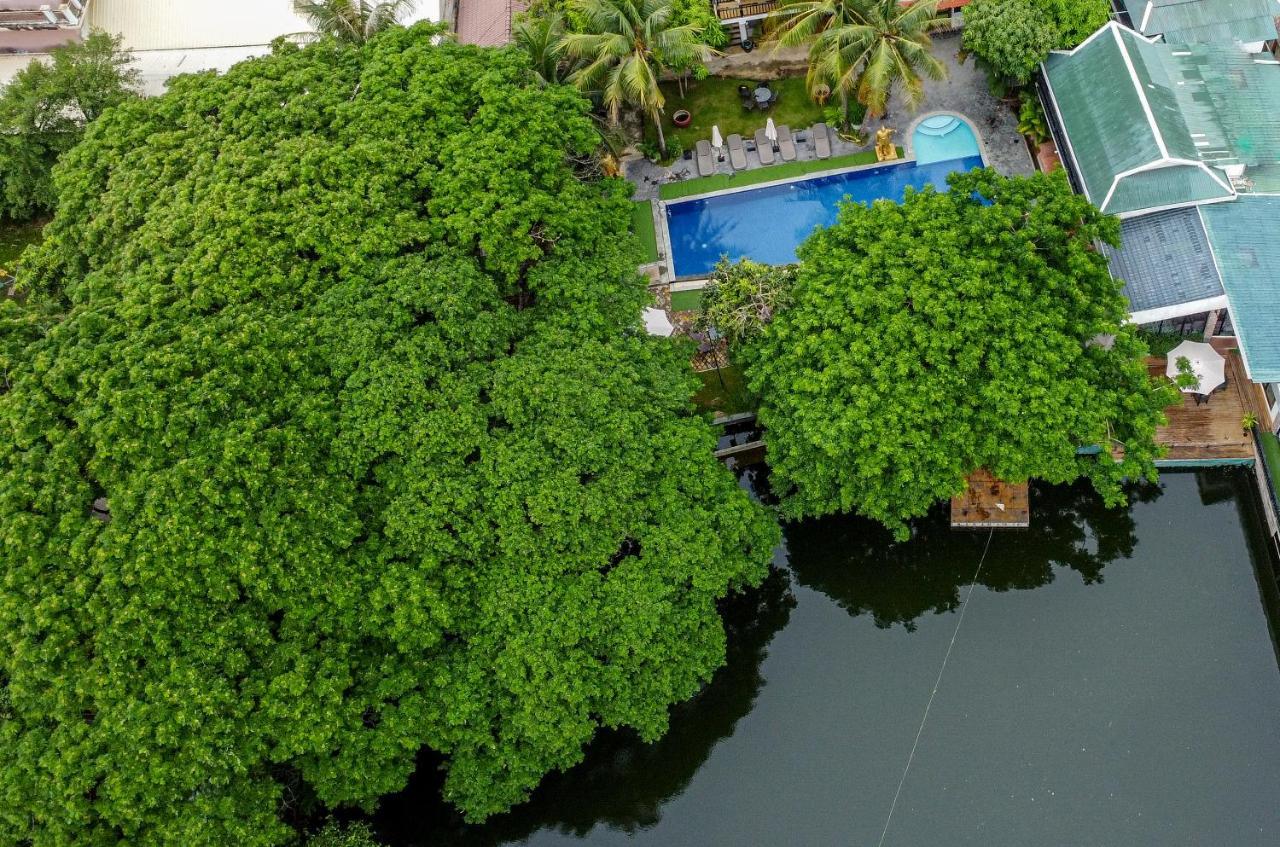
(885, 151)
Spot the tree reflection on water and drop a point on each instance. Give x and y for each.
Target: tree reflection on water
(856, 563)
(623, 782)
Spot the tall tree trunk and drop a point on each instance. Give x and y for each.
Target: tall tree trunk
(662, 139)
(844, 109)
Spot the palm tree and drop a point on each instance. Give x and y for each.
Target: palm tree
(625, 44)
(352, 21)
(542, 37)
(864, 47)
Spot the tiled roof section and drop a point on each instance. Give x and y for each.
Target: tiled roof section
(1164, 260)
(487, 23)
(1101, 113)
(1128, 105)
(1205, 21)
(1245, 235)
(1168, 186)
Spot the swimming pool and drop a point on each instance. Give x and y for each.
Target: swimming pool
(768, 224)
(939, 138)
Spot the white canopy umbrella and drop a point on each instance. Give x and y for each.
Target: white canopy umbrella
(770, 130)
(716, 140)
(656, 322)
(1206, 363)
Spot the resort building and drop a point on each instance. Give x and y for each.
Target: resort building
(1182, 143)
(1250, 23)
(167, 38)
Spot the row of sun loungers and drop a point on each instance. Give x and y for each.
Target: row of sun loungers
(706, 159)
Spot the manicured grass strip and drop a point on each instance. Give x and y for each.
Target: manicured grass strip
(642, 226)
(1271, 455)
(724, 392)
(14, 238)
(786, 170)
(686, 301)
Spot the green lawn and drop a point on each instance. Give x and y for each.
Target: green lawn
(14, 238)
(1271, 455)
(686, 301)
(715, 102)
(786, 170)
(724, 391)
(642, 226)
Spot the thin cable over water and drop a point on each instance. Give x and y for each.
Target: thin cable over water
(929, 705)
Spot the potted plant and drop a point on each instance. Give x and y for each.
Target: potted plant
(681, 118)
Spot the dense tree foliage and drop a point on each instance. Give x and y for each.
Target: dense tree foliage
(742, 297)
(931, 338)
(43, 112)
(349, 359)
(1012, 37)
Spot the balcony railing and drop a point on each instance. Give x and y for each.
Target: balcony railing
(43, 15)
(732, 11)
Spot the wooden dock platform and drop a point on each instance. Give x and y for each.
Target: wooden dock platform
(990, 502)
(1211, 432)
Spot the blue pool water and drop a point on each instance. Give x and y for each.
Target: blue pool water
(940, 138)
(768, 224)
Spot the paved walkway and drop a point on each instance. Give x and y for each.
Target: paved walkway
(964, 92)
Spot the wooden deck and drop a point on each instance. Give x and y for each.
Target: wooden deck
(1212, 431)
(980, 506)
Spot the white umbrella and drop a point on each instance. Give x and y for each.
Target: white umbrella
(716, 141)
(656, 322)
(770, 130)
(1206, 363)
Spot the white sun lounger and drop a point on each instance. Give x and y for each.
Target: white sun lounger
(764, 147)
(737, 153)
(821, 141)
(706, 159)
(786, 145)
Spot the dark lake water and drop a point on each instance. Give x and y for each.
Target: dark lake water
(1115, 681)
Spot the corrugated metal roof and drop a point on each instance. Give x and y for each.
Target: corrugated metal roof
(1164, 260)
(1205, 21)
(1245, 235)
(191, 24)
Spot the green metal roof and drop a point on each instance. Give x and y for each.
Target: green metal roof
(1151, 125)
(1204, 21)
(1245, 235)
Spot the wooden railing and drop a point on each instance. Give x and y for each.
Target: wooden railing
(733, 11)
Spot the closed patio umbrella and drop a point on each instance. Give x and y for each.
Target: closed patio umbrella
(770, 130)
(656, 322)
(717, 141)
(1206, 363)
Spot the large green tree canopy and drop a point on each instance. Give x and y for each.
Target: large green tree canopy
(347, 341)
(952, 332)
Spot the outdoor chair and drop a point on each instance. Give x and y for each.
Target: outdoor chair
(764, 147)
(821, 141)
(737, 155)
(706, 161)
(786, 145)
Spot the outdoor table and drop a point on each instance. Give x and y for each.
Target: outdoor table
(762, 95)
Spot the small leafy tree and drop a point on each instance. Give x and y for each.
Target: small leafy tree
(863, 48)
(950, 333)
(1031, 117)
(1010, 37)
(742, 298)
(43, 113)
(353, 21)
(626, 44)
(1075, 20)
(343, 835)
